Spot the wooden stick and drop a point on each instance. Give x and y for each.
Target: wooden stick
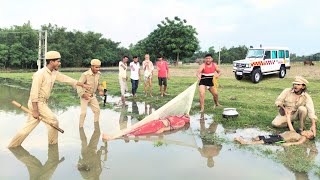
(40, 117)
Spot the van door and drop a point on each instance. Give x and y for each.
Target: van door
(266, 60)
(287, 58)
(273, 65)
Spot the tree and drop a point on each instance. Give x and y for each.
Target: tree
(173, 39)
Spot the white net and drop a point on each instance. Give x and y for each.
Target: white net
(181, 104)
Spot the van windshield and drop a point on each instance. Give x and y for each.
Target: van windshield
(255, 53)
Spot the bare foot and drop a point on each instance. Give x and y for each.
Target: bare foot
(240, 140)
(217, 105)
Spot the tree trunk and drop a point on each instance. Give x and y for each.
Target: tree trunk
(177, 62)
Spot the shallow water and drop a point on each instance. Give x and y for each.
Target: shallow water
(82, 154)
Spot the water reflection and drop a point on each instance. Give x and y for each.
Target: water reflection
(123, 119)
(34, 166)
(299, 159)
(209, 148)
(89, 163)
(147, 108)
(135, 109)
(9, 94)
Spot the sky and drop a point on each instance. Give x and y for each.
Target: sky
(288, 23)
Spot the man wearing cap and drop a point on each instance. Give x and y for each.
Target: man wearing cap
(295, 103)
(42, 84)
(92, 78)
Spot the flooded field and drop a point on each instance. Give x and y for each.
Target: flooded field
(203, 150)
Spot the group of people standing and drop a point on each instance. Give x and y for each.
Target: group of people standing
(87, 86)
(135, 75)
(294, 103)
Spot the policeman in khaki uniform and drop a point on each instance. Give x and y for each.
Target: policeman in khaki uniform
(92, 78)
(296, 103)
(42, 84)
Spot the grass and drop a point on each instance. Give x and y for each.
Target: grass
(254, 102)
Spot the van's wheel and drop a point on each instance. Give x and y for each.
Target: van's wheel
(238, 77)
(256, 75)
(282, 72)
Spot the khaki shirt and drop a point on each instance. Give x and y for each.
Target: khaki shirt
(122, 71)
(287, 99)
(43, 81)
(91, 79)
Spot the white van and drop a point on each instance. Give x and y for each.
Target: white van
(263, 61)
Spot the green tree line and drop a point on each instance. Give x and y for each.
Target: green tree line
(19, 47)
(173, 38)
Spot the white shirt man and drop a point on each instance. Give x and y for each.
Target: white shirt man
(135, 75)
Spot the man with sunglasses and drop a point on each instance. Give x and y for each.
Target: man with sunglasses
(295, 104)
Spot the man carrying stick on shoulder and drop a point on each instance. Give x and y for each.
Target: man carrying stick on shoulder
(42, 84)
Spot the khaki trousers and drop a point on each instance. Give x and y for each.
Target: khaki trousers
(123, 86)
(31, 123)
(34, 165)
(94, 105)
(281, 121)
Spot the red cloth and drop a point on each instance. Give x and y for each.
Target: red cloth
(209, 70)
(155, 125)
(148, 128)
(162, 69)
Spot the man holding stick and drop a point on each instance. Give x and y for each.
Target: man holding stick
(42, 84)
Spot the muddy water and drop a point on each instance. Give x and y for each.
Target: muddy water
(82, 154)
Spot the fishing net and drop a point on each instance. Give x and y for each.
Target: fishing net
(181, 104)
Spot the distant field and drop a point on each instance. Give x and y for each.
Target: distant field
(254, 102)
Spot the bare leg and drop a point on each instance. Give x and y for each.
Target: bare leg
(163, 130)
(161, 93)
(145, 88)
(215, 96)
(202, 90)
(123, 99)
(242, 141)
(150, 85)
(164, 90)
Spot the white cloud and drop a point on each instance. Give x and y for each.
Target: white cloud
(223, 23)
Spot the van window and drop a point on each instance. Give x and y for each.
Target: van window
(267, 55)
(281, 53)
(274, 54)
(287, 54)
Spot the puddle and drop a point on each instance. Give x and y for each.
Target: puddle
(184, 154)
